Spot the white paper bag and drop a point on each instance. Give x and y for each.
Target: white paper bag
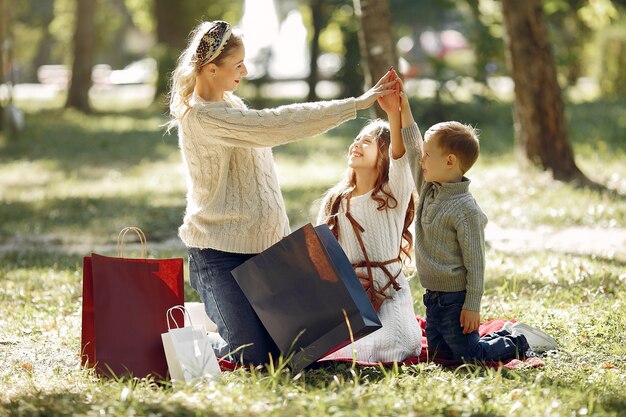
(188, 351)
(197, 315)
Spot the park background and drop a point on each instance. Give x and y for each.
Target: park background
(83, 154)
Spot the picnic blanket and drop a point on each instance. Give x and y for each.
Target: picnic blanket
(426, 356)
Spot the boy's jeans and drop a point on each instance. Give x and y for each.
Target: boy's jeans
(445, 334)
(228, 307)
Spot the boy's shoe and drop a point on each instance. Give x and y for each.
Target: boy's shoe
(538, 341)
(508, 326)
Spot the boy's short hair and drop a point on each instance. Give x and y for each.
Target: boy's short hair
(459, 139)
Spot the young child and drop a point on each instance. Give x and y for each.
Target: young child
(370, 212)
(449, 246)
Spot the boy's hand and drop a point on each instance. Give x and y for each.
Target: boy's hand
(405, 108)
(470, 320)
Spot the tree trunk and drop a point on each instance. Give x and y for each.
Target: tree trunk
(540, 127)
(42, 57)
(174, 22)
(173, 31)
(3, 25)
(378, 49)
(318, 23)
(84, 37)
(117, 57)
(479, 35)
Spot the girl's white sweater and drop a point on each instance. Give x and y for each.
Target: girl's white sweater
(400, 337)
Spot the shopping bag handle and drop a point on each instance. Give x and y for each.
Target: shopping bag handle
(122, 235)
(170, 315)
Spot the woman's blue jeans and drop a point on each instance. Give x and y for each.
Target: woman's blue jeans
(445, 335)
(228, 307)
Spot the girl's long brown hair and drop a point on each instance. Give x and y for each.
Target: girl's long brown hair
(333, 197)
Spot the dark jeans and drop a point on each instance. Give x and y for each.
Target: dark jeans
(445, 334)
(228, 307)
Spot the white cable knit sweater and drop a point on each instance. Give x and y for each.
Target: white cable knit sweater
(234, 203)
(400, 337)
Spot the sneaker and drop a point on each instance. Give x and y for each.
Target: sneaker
(508, 326)
(538, 341)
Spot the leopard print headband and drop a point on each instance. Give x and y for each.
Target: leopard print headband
(212, 43)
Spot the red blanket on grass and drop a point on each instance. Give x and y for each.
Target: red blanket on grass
(485, 328)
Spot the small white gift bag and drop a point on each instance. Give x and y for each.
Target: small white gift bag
(188, 350)
(197, 315)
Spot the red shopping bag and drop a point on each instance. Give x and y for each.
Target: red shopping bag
(124, 302)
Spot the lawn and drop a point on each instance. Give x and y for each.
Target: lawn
(70, 182)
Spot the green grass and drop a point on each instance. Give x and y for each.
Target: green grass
(71, 182)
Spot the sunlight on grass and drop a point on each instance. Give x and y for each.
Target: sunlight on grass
(75, 181)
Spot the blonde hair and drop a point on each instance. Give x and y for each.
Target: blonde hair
(183, 79)
(458, 139)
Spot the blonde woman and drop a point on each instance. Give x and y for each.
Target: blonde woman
(234, 204)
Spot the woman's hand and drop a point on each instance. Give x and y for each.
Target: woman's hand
(381, 89)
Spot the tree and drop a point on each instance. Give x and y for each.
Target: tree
(2, 38)
(174, 22)
(319, 18)
(540, 127)
(84, 40)
(378, 49)
(488, 48)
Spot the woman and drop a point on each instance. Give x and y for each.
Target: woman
(370, 212)
(234, 205)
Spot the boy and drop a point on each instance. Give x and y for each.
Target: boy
(449, 246)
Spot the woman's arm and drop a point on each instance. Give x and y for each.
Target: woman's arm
(271, 127)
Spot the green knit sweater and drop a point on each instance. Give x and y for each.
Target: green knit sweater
(449, 231)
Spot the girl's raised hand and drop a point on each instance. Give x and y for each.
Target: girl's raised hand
(391, 102)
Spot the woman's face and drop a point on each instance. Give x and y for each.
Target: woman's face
(363, 153)
(229, 73)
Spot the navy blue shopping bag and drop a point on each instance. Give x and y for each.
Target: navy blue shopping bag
(300, 288)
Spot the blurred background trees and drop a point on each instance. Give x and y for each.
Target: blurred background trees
(439, 39)
(376, 37)
(540, 127)
(84, 41)
(448, 51)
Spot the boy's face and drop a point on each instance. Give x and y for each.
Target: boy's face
(435, 161)
(363, 153)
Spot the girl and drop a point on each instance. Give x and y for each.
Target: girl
(369, 212)
(234, 205)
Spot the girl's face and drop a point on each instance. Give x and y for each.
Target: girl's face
(229, 73)
(363, 153)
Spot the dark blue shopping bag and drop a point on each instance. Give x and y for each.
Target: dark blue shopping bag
(300, 288)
